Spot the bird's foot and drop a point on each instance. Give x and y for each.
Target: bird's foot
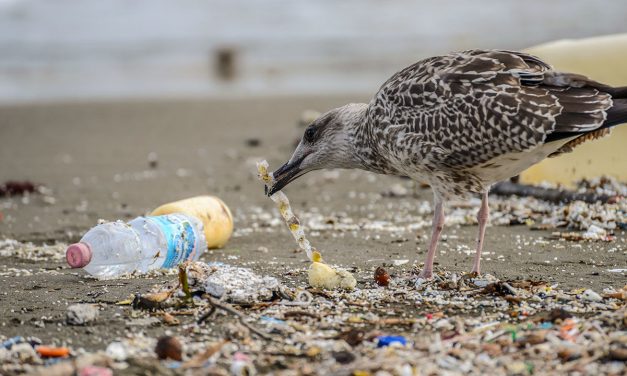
(426, 274)
(424, 277)
(469, 276)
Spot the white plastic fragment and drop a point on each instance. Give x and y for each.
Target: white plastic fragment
(399, 262)
(591, 296)
(235, 284)
(117, 351)
(595, 233)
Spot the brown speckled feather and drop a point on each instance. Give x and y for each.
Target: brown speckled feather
(455, 119)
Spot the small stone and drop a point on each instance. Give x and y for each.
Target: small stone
(381, 277)
(253, 142)
(396, 190)
(516, 368)
(81, 314)
(491, 349)
(343, 357)
(169, 348)
(153, 160)
(618, 354)
(117, 351)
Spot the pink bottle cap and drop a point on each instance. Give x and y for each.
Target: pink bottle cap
(78, 255)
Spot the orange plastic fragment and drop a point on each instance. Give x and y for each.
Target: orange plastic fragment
(52, 352)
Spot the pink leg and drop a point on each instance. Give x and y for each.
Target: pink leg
(482, 218)
(438, 224)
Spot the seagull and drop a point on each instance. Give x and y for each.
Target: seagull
(461, 122)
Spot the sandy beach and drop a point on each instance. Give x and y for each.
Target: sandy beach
(93, 160)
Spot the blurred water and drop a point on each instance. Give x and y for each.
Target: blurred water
(89, 49)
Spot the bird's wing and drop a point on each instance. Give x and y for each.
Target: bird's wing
(476, 105)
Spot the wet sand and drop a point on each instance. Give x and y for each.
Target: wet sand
(93, 156)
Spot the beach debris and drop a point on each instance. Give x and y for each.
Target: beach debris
(214, 305)
(31, 251)
(293, 223)
(396, 190)
(591, 296)
(242, 365)
(465, 329)
(152, 301)
(95, 371)
(169, 347)
(17, 188)
(320, 275)
(183, 283)
(253, 142)
(384, 341)
(7, 344)
(52, 352)
(325, 277)
(233, 284)
(595, 233)
(117, 351)
(153, 160)
(381, 276)
(81, 314)
(507, 188)
(169, 319)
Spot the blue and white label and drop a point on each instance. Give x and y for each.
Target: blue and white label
(180, 238)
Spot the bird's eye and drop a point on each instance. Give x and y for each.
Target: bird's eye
(309, 134)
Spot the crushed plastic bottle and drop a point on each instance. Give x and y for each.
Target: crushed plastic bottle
(213, 212)
(144, 244)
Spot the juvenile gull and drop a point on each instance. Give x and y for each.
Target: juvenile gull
(461, 122)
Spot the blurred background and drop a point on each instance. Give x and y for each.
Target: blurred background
(117, 106)
(94, 49)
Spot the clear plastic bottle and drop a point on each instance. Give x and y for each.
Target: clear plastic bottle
(143, 244)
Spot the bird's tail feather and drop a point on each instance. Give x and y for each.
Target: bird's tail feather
(617, 92)
(617, 114)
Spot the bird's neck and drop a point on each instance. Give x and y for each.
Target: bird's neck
(366, 146)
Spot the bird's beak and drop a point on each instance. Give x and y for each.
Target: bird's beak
(286, 174)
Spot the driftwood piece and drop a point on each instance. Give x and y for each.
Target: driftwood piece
(507, 188)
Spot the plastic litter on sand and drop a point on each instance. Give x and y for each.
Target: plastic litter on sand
(320, 275)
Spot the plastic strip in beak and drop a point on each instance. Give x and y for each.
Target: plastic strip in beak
(280, 199)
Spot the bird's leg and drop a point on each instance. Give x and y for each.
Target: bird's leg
(438, 224)
(482, 218)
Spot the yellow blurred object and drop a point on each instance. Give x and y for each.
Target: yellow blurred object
(214, 214)
(322, 276)
(603, 59)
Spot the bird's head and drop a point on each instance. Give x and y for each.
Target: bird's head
(328, 142)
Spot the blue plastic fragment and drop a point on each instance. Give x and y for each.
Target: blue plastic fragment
(545, 325)
(384, 341)
(272, 320)
(12, 341)
(174, 364)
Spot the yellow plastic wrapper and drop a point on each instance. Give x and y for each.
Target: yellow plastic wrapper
(320, 275)
(213, 212)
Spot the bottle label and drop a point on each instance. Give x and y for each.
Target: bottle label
(180, 238)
